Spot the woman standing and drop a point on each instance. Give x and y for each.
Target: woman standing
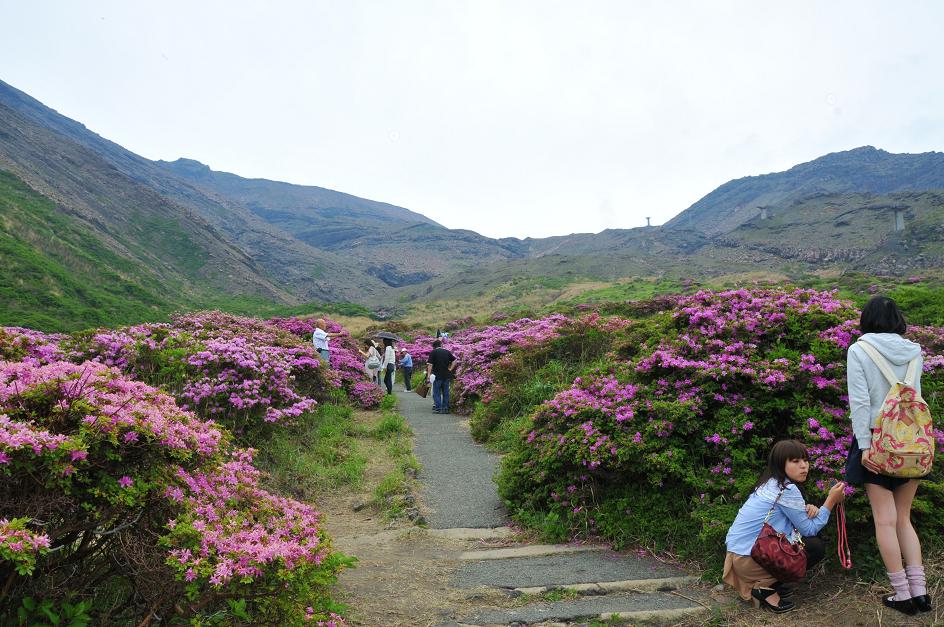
(882, 326)
(372, 363)
(388, 365)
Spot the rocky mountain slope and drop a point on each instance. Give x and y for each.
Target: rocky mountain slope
(864, 169)
(178, 234)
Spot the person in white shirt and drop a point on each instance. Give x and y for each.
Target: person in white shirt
(388, 365)
(890, 498)
(320, 337)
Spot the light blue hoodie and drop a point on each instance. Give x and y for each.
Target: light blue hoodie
(867, 385)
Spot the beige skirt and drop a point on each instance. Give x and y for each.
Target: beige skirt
(743, 574)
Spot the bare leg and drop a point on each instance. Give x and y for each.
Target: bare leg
(885, 517)
(907, 538)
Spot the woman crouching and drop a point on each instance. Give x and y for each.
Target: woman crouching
(776, 493)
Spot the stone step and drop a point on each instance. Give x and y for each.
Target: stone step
(656, 607)
(529, 550)
(598, 567)
(473, 533)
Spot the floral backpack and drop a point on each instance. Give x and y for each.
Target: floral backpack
(903, 441)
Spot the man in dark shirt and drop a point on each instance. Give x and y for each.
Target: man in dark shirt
(440, 363)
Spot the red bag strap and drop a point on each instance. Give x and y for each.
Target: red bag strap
(845, 555)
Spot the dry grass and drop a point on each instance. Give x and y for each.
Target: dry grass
(353, 324)
(832, 600)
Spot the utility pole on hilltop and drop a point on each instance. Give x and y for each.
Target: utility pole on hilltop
(647, 223)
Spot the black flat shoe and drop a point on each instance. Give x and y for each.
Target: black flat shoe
(905, 607)
(923, 602)
(760, 600)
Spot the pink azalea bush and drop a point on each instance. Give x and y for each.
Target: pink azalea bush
(347, 362)
(17, 343)
(662, 440)
(109, 485)
(367, 394)
(246, 374)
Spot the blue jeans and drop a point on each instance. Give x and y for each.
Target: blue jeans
(325, 355)
(441, 394)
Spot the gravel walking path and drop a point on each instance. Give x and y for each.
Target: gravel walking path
(456, 473)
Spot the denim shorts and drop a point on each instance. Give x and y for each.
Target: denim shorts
(857, 474)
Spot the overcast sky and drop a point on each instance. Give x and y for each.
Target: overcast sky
(514, 118)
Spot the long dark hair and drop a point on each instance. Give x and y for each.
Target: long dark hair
(782, 452)
(882, 315)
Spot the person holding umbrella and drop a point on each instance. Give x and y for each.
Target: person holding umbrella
(389, 364)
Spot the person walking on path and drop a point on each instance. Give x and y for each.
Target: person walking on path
(440, 364)
(882, 326)
(388, 365)
(776, 499)
(320, 337)
(406, 365)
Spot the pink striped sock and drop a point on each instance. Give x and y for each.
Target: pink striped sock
(900, 584)
(916, 580)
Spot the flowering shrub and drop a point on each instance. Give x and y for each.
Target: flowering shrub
(18, 344)
(367, 394)
(20, 546)
(244, 373)
(347, 363)
(678, 429)
(108, 485)
(477, 350)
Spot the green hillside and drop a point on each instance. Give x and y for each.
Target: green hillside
(59, 276)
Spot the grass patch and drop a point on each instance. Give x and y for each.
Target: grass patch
(390, 426)
(318, 454)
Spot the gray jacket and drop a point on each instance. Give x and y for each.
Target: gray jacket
(868, 387)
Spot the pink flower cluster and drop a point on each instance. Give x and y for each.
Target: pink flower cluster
(347, 362)
(19, 344)
(240, 371)
(112, 406)
(720, 374)
(367, 394)
(233, 529)
(107, 450)
(477, 350)
(21, 546)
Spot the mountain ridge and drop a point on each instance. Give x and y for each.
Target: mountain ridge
(195, 235)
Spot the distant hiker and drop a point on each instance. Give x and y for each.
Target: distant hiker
(320, 337)
(882, 326)
(389, 364)
(777, 500)
(373, 361)
(406, 365)
(440, 364)
(438, 334)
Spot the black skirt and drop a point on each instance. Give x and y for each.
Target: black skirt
(857, 474)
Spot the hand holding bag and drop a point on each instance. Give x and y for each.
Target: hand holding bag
(776, 554)
(422, 389)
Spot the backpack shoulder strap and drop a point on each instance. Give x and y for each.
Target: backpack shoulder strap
(912, 374)
(879, 361)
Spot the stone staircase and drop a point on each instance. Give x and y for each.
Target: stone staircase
(518, 583)
(590, 583)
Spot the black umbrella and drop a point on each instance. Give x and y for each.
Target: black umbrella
(388, 336)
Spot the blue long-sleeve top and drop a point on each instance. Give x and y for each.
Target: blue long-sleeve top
(407, 361)
(789, 513)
